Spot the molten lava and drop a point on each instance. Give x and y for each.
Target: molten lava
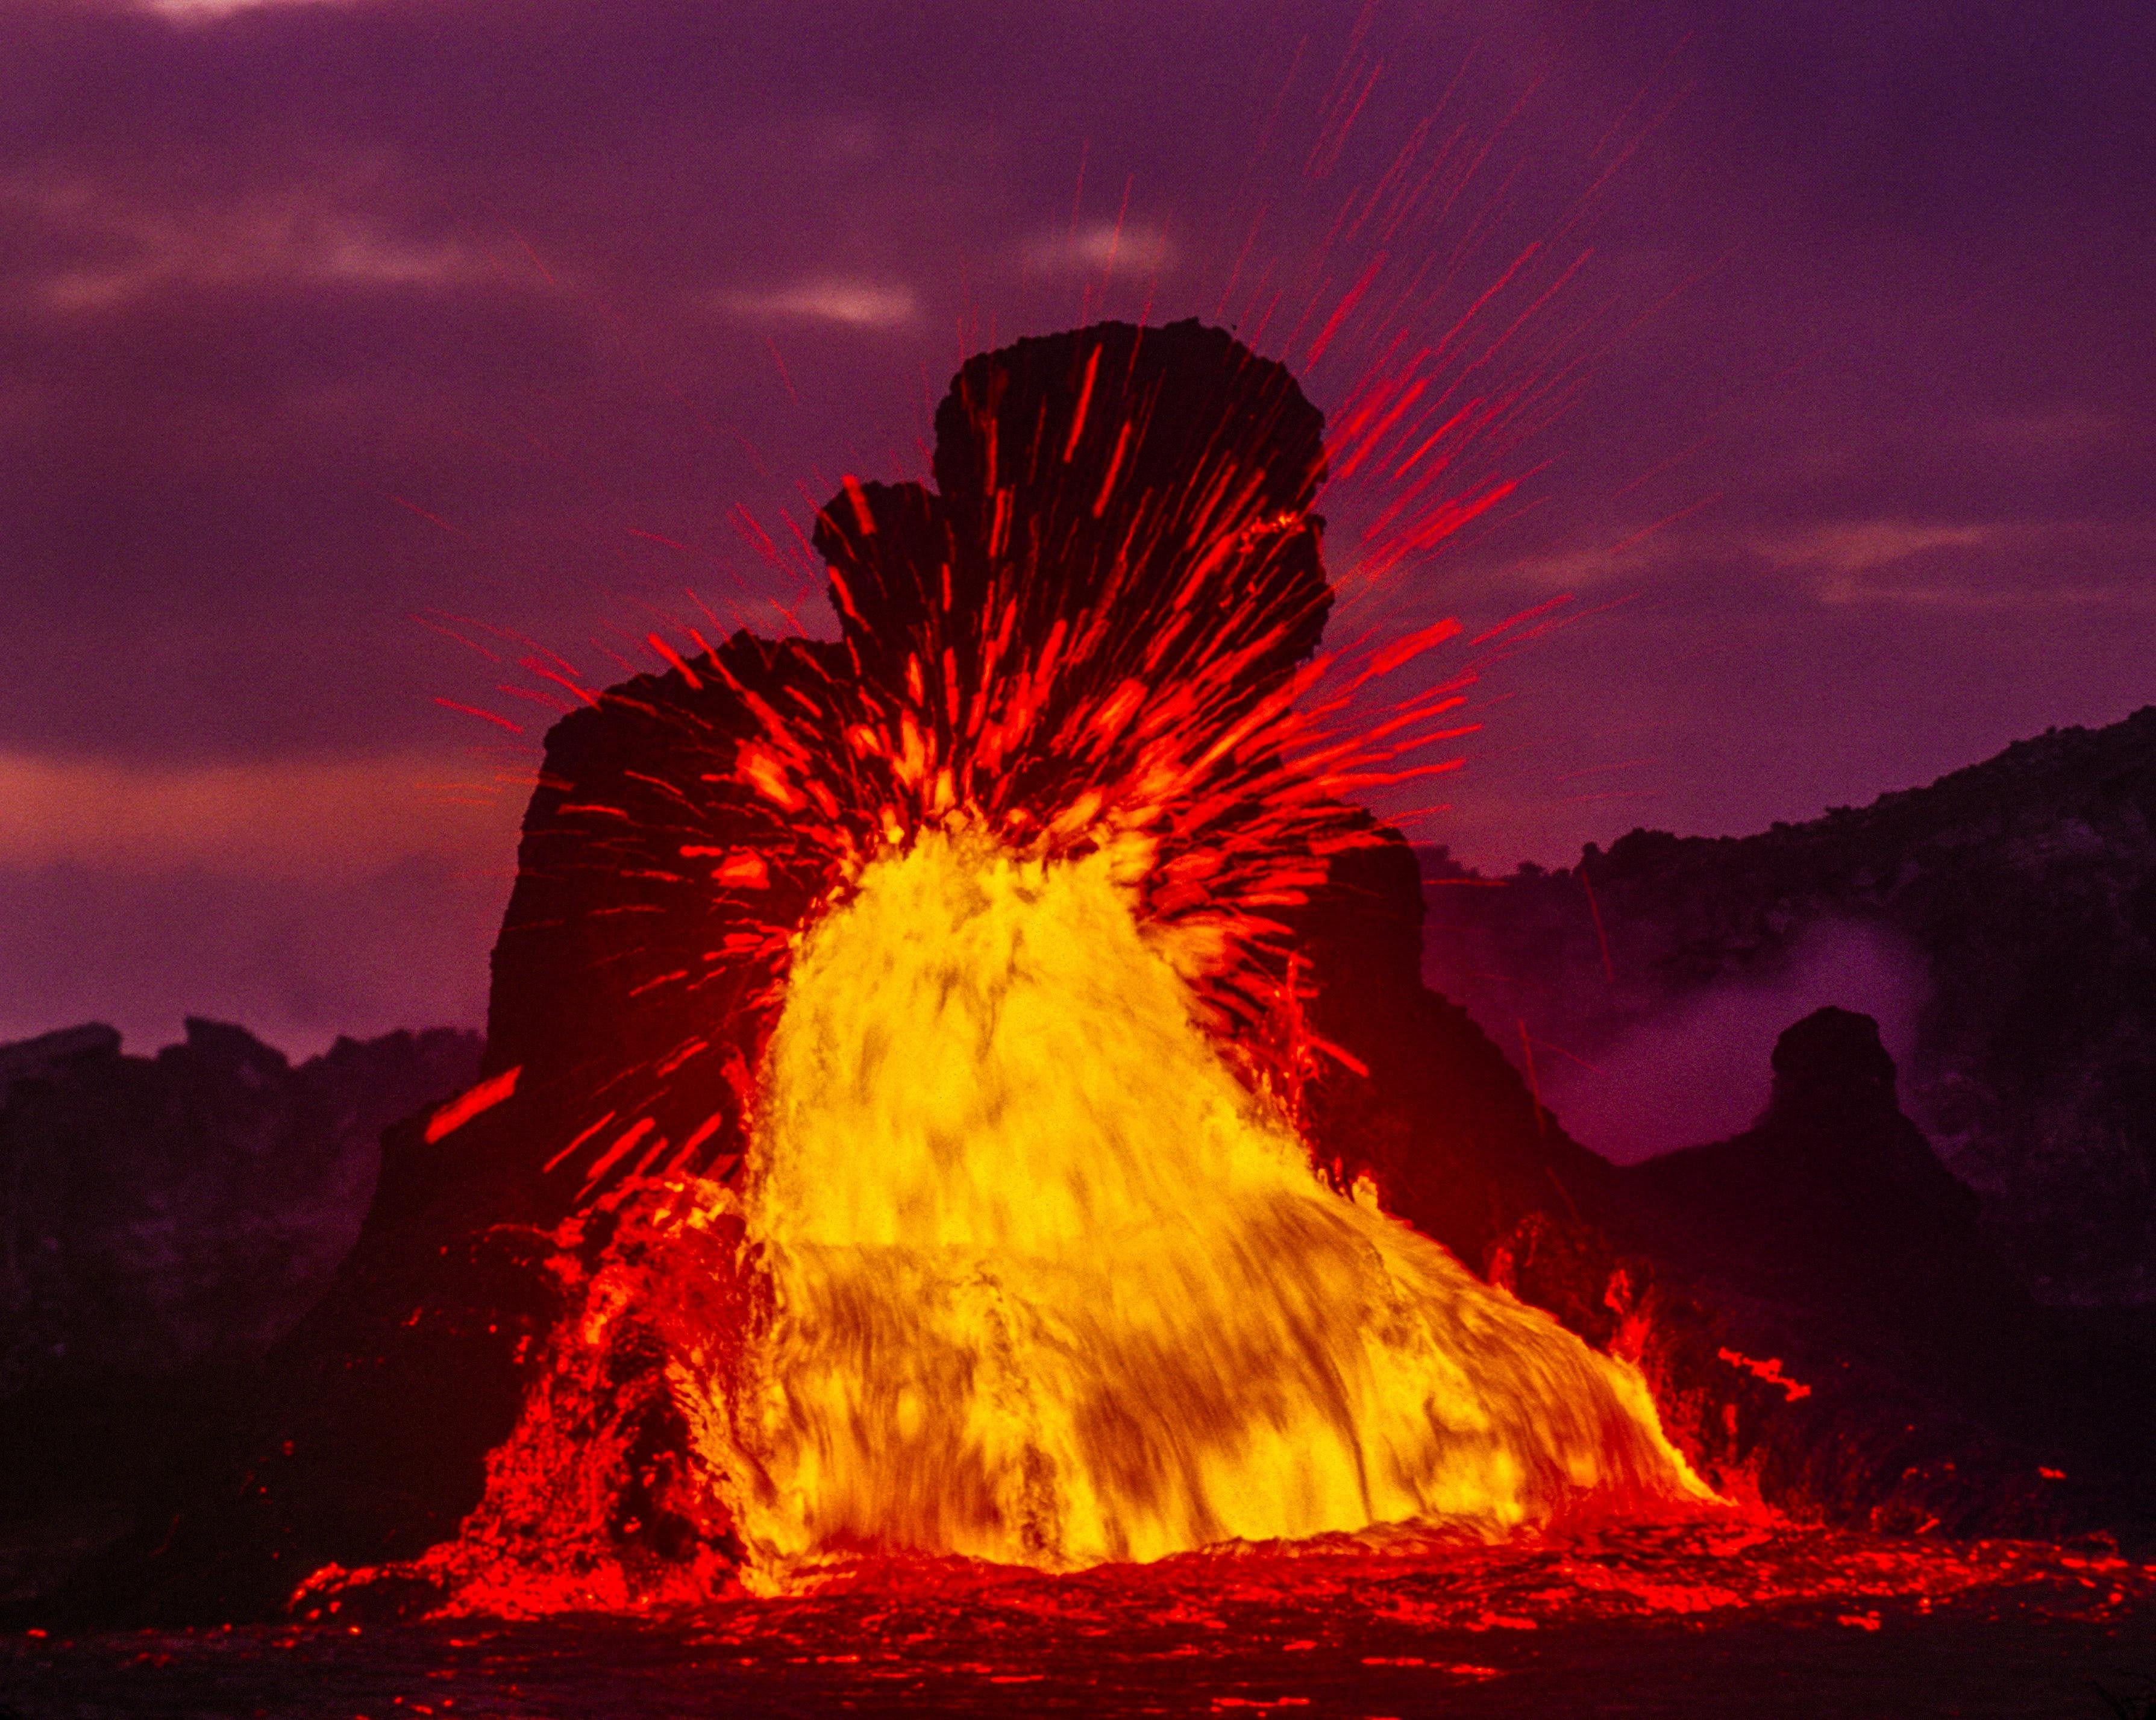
(1051, 1286)
(970, 948)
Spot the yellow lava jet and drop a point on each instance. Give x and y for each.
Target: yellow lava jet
(1049, 1286)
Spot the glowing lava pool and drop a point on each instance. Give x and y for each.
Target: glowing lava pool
(1704, 1620)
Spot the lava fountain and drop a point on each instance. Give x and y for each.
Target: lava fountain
(1051, 1286)
(951, 1121)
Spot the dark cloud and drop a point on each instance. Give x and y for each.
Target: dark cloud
(317, 316)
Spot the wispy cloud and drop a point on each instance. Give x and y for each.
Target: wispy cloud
(1962, 598)
(1102, 248)
(112, 249)
(209, 11)
(1950, 568)
(1941, 566)
(2064, 430)
(848, 303)
(1563, 570)
(273, 820)
(1850, 548)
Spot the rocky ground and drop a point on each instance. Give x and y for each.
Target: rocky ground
(163, 1220)
(160, 1212)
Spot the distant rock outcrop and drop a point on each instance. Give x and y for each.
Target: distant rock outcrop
(2020, 895)
(1822, 1319)
(1833, 1203)
(160, 1212)
(1834, 1199)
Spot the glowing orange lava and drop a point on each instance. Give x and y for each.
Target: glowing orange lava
(1051, 1286)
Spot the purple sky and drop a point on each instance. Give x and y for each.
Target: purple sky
(1864, 305)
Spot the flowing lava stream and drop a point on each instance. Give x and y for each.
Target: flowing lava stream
(1051, 1287)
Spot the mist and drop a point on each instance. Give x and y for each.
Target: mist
(1699, 1070)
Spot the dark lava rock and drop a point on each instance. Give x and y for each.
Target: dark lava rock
(1440, 1120)
(363, 1435)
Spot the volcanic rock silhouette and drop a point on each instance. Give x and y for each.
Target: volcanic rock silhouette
(1440, 1112)
(1834, 1199)
(1845, 1269)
